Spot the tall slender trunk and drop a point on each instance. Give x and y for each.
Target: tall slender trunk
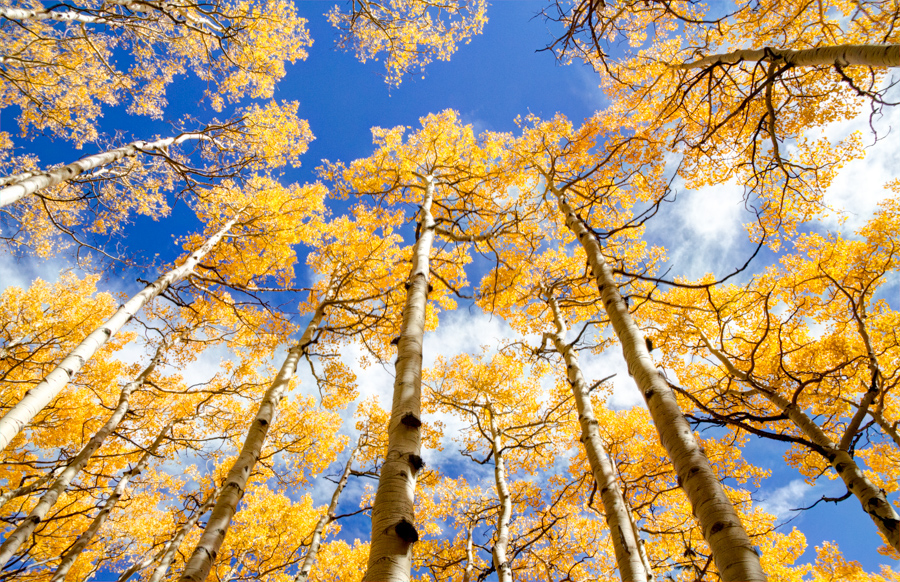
(621, 527)
(40, 396)
(870, 55)
(501, 539)
(48, 499)
(27, 183)
(641, 545)
(197, 567)
(310, 559)
(166, 555)
(470, 556)
(393, 513)
(734, 555)
(68, 559)
(871, 497)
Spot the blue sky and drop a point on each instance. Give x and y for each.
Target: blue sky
(498, 76)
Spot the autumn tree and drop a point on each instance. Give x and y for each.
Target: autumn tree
(447, 173)
(60, 66)
(765, 370)
(741, 114)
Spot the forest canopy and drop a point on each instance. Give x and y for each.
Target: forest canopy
(440, 290)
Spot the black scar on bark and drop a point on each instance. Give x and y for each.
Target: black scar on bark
(395, 341)
(416, 462)
(649, 343)
(406, 531)
(411, 420)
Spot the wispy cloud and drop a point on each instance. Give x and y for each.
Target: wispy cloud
(782, 500)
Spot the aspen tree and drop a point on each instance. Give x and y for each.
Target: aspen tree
(606, 184)
(18, 536)
(626, 539)
(351, 275)
(310, 558)
(89, 201)
(68, 559)
(812, 392)
(508, 424)
(167, 553)
(59, 66)
(201, 560)
(445, 171)
(742, 88)
(38, 397)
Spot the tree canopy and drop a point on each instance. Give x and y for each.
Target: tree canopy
(520, 330)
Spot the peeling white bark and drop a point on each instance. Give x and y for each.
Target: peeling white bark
(71, 555)
(40, 396)
(24, 530)
(310, 559)
(31, 182)
(167, 554)
(734, 555)
(204, 556)
(501, 536)
(625, 538)
(393, 513)
(886, 55)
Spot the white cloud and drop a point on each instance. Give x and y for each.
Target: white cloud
(782, 500)
(22, 272)
(859, 187)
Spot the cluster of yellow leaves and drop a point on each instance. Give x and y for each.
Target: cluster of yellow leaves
(410, 33)
(61, 74)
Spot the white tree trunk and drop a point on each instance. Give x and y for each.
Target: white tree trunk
(37, 14)
(40, 396)
(22, 532)
(625, 539)
(167, 555)
(870, 55)
(722, 529)
(68, 559)
(310, 559)
(470, 557)
(393, 513)
(501, 539)
(31, 182)
(204, 556)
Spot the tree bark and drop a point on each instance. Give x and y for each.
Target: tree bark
(626, 541)
(167, 555)
(41, 395)
(68, 559)
(734, 555)
(201, 561)
(470, 557)
(501, 541)
(32, 182)
(393, 513)
(886, 55)
(310, 559)
(18, 536)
